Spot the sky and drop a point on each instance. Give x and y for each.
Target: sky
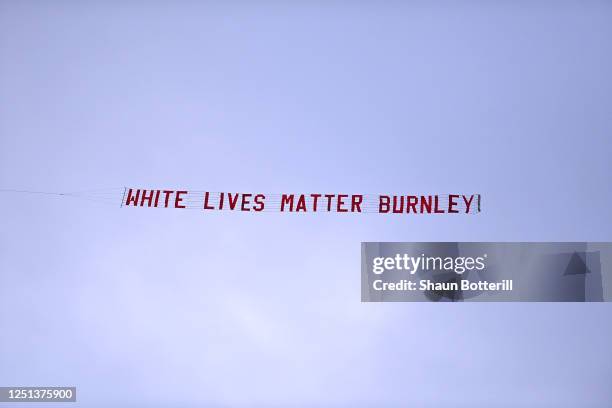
(152, 307)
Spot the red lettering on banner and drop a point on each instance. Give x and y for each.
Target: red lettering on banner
(426, 204)
(145, 197)
(340, 203)
(411, 203)
(468, 203)
(206, 205)
(329, 198)
(356, 203)
(132, 198)
(287, 199)
(452, 204)
(301, 204)
(245, 202)
(259, 202)
(167, 193)
(398, 209)
(315, 199)
(178, 199)
(232, 200)
(383, 204)
(437, 209)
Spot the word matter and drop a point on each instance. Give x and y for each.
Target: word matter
(303, 202)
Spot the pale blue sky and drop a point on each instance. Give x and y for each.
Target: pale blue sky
(509, 99)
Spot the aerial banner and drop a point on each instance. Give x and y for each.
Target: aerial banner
(302, 202)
